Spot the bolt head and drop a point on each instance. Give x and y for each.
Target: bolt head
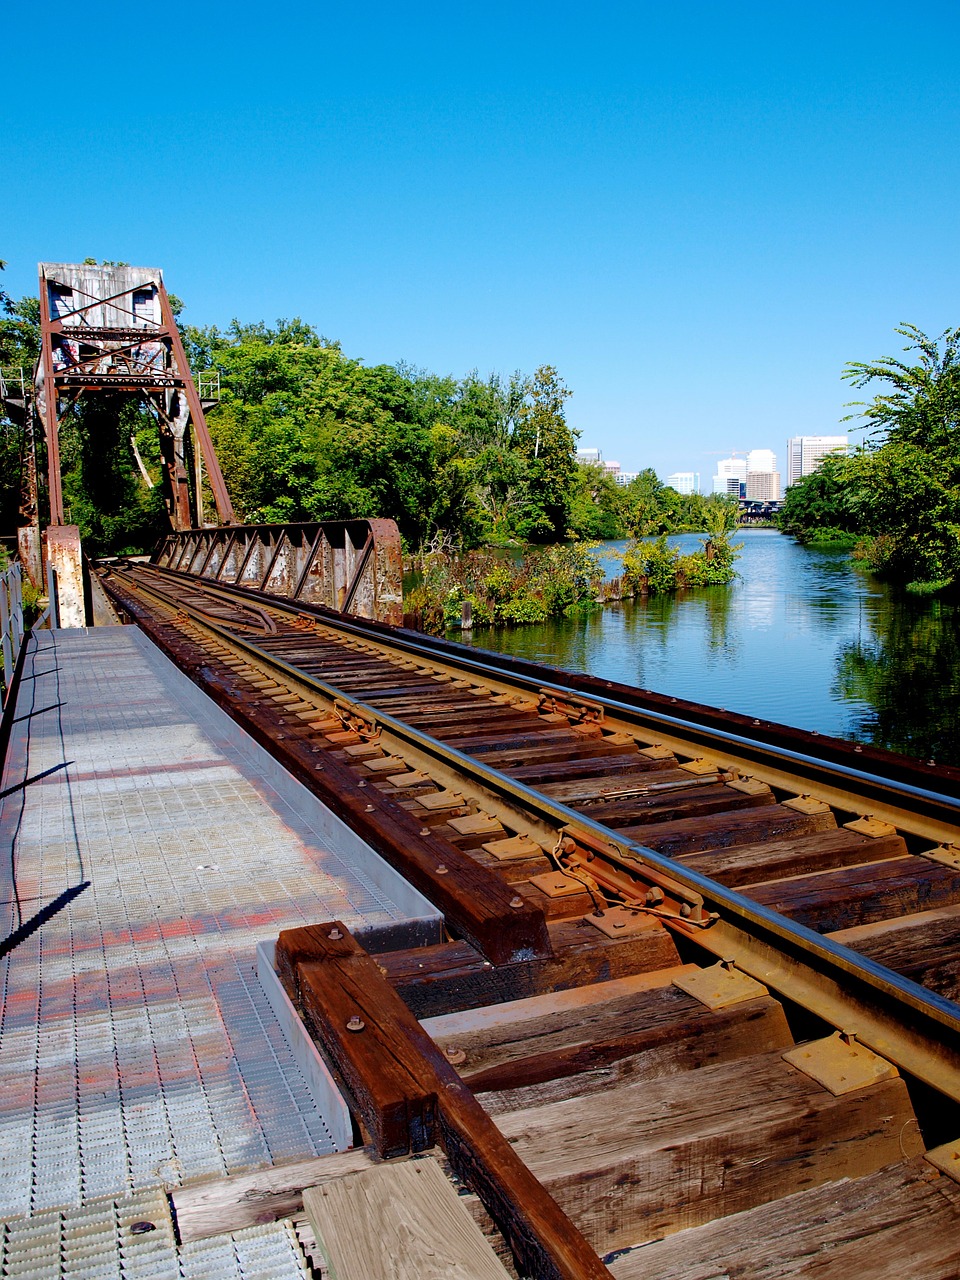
(334, 935)
(454, 1055)
(516, 903)
(355, 1023)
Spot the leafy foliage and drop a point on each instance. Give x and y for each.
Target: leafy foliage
(900, 493)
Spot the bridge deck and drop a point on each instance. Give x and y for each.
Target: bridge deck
(152, 845)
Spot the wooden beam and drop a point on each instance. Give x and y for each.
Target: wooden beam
(343, 983)
(222, 1205)
(859, 1227)
(399, 1222)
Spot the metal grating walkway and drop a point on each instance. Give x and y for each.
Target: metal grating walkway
(147, 846)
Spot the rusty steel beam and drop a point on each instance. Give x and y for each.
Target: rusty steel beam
(363, 577)
(201, 431)
(167, 386)
(51, 425)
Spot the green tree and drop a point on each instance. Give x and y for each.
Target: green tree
(596, 504)
(922, 405)
(543, 438)
(823, 501)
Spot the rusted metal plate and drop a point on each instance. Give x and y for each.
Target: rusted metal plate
(657, 752)
(700, 766)
(384, 764)
(65, 558)
(946, 1158)
(619, 922)
(476, 824)
(513, 849)
(720, 986)
(947, 854)
(440, 800)
(361, 750)
(413, 778)
(840, 1064)
(808, 804)
(557, 885)
(873, 827)
(748, 786)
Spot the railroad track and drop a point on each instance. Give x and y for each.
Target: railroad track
(701, 970)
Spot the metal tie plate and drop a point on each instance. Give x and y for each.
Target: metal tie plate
(513, 849)
(619, 922)
(870, 826)
(720, 985)
(700, 765)
(840, 1064)
(806, 804)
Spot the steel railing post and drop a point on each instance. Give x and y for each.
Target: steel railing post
(6, 637)
(52, 596)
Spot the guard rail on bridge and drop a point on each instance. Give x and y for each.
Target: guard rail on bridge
(11, 621)
(353, 566)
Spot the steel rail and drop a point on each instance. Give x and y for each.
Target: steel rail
(915, 1028)
(937, 805)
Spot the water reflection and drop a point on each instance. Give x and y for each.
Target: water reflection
(905, 680)
(802, 637)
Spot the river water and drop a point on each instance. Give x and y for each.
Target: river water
(802, 637)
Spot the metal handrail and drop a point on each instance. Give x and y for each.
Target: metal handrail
(208, 384)
(11, 621)
(11, 380)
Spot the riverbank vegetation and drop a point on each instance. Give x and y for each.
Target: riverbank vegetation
(509, 588)
(896, 500)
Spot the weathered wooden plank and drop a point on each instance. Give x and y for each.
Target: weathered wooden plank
(511, 736)
(899, 1223)
(398, 1222)
(675, 1038)
(722, 831)
(583, 749)
(604, 767)
(641, 1161)
(856, 895)
(774, 860)
(439, 979)
(924, 947)
(672, 806)
(217, 1206)
(393, 1094)
(392, 1042)
(579, 789)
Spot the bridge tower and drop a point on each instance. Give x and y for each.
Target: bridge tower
(111, 328)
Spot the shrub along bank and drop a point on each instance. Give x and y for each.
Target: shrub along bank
(559, 581)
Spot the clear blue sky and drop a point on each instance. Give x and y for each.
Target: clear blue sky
(697, 212)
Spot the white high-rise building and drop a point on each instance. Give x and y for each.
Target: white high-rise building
(763, 478)
(805, 453)
(764, 460)
(731, 474)
(684, 482)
